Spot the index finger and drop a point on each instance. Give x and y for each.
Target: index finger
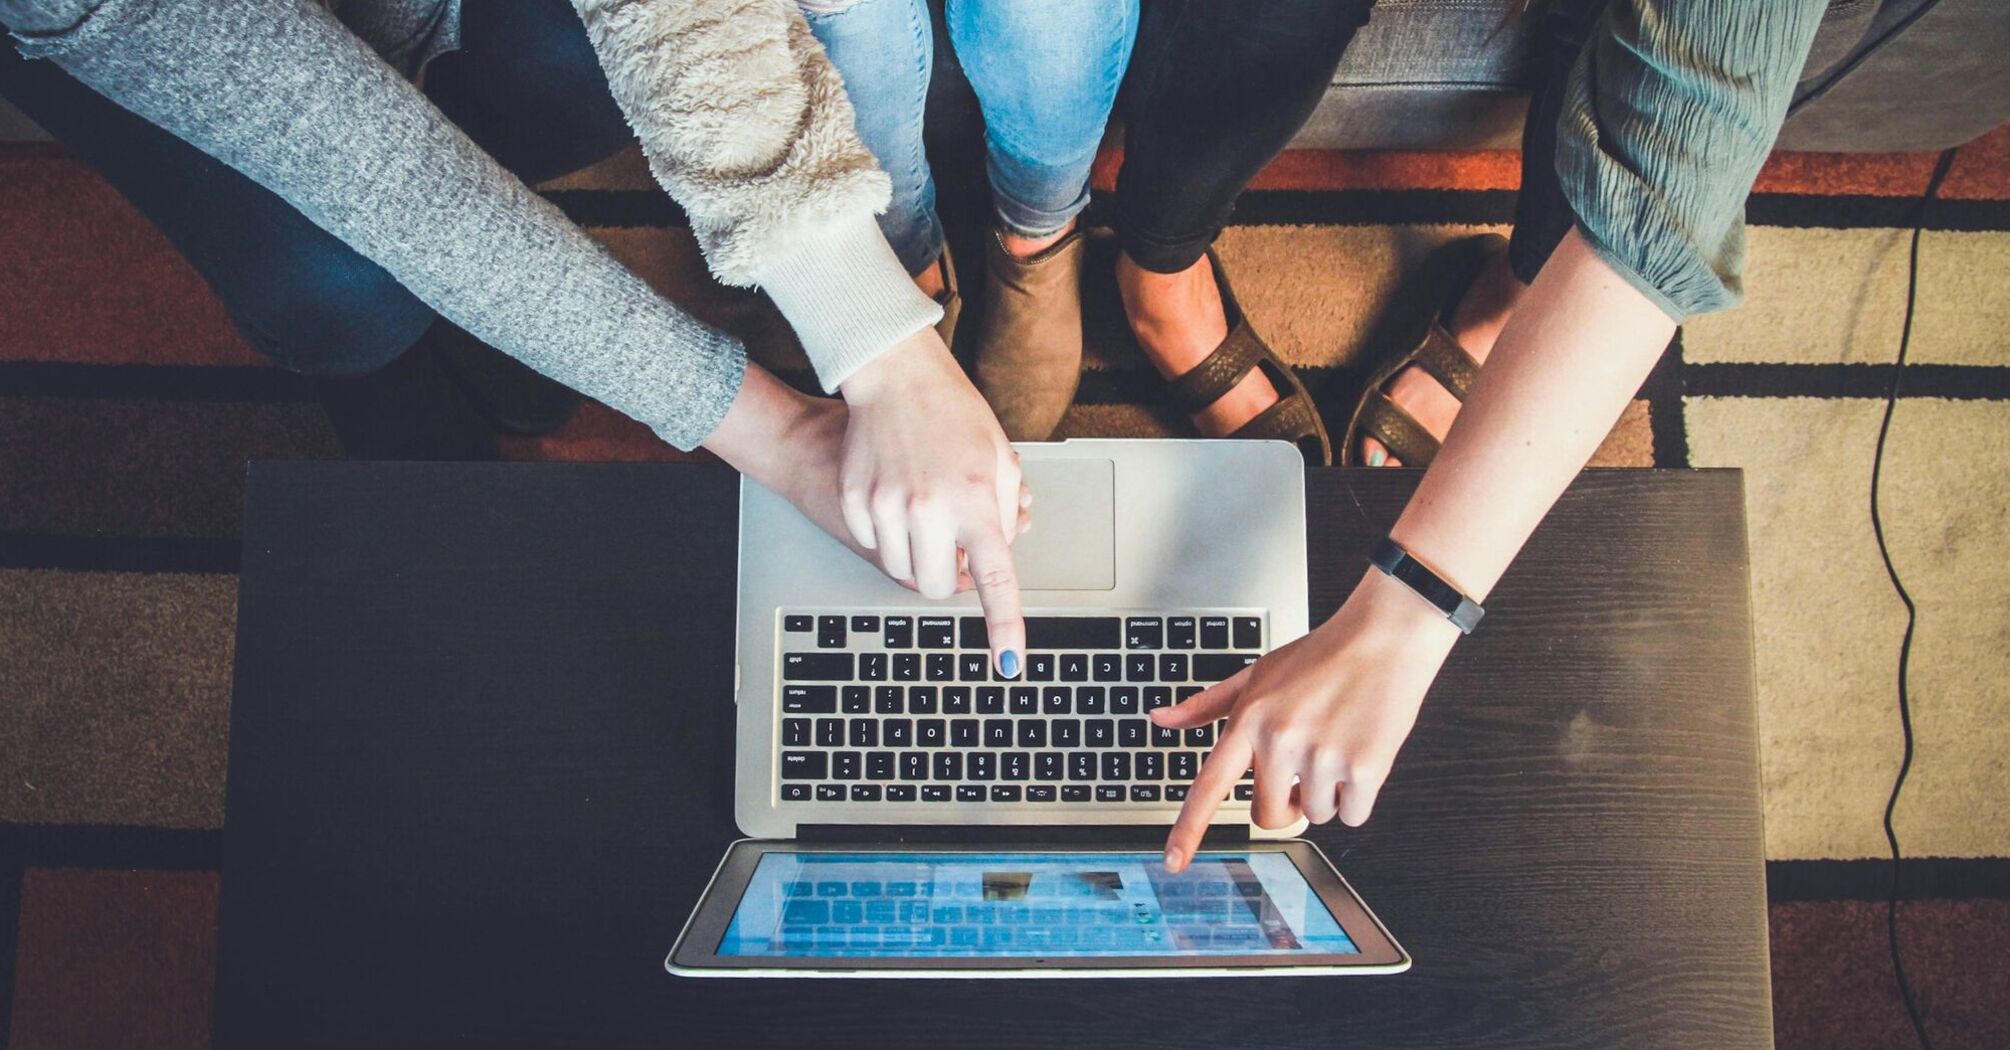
(997, 582)
(1217, 775)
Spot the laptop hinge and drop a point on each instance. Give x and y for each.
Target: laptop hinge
(1049, 834)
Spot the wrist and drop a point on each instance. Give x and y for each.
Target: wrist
(881, 378)
(1388, 604)
(752, 437)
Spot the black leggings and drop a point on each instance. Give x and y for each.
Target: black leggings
(1219, 87)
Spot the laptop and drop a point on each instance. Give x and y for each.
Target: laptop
(910, 812)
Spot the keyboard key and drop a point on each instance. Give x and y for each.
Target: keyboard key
(948, 765)
(1075, 793)
(969, 793)
(1040, 667)
(898, 633)
(1245, 792)
(997, 732)
(931, 732)
(1005, 793)
(936, 632)
(1200, 736)
(807, 912)
(1047, 765)
(973, 667)
(845, 765)
(1025, 700)
(972, 633)
(963, 732)
(872, 667)
(795, 792)
(1180, 632)
(956, 700)
(830, 732)
(981, 765)
(990, 700)
(1124, 700)
(865, 624)
(804, 765)
(879, 765)
(1108, 667)
(830, 632)
(1183, 765)
(1131, 732)
(1056, 700)
(1073, 632)
(1140, 667)
(900, 792)
(809, 699)
(1214, 667)
(1081, 765)
(907, 667)
(863, 793)
(830, 792)
(921, 699)
(1182, 692)
(1214, 632)
(1039, 793)
(795, 732)
(1172, 667)
(1175, 792)
(1109, 792)
(1157, 697)
(1116, 765)
(1090, 700)
(817, 667)
(913, 765)
(935, 792)
(941, 667)
(889, 699)
(797, 623)
(855, 699)
(1074, 667)
(1015, 765)
(1163, 737)
(864, 732)
(1144, 632)
(897, 732)
(1032, 733)
(1149, 765)
(1065, 732)
(1248, 632)
(1144, 792)
(1099, 732)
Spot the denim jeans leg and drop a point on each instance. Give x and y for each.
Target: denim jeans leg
(1046, 74)
(1542, 215)
(884, 50)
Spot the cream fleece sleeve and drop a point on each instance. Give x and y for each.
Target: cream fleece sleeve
(746, 123)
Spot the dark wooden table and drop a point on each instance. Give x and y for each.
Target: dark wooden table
(480, 769)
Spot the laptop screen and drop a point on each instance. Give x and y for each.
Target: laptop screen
(832, 905)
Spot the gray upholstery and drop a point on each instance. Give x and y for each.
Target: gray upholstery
(14, 127)
(1449, 74)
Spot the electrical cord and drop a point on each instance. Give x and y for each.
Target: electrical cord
(1911, 611)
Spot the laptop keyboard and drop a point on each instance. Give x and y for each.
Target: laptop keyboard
(907, 708)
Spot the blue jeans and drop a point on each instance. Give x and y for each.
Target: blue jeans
(1045, 72)
(525, 85)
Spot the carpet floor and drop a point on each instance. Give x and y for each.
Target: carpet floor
(128, 406)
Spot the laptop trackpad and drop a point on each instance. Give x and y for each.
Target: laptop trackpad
(1072, 545)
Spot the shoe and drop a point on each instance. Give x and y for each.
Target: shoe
(410, 409)
(1029, 347)
(508, 393)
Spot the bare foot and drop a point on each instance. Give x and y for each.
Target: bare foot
(1476, 323)
(1178, 319)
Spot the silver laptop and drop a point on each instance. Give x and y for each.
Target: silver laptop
(910, 811)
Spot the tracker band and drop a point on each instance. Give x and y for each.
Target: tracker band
(1390, 557)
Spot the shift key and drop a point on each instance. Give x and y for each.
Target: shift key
(816, 667)
(1214, 667)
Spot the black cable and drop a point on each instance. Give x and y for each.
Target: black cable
(1911, 611)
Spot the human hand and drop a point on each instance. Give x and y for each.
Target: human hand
(1320, 719)
(930, 484)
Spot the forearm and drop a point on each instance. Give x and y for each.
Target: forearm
(1577, 349)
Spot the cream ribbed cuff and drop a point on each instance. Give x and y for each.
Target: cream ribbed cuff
(847, 297)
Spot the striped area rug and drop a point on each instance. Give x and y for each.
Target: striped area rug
(128, 407)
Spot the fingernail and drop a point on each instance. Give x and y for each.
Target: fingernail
(1008, 663)
(1377, 458)
(1172, 857)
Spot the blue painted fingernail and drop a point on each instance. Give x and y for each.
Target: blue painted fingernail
(1377, 458)
(1008, 663)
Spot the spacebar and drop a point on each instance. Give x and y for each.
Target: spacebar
(1074, 632)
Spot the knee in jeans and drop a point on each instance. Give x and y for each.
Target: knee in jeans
(334, 313)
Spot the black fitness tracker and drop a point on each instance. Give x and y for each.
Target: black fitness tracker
(1390, 557)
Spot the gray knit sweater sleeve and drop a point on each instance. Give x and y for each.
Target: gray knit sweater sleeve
(1670, 111)
(283, 93)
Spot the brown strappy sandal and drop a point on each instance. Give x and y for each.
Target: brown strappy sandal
(1445, 278)
(1293, 418)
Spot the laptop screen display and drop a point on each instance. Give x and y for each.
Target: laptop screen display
(831, 905)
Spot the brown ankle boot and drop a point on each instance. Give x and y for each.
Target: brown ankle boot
(1029, 350)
